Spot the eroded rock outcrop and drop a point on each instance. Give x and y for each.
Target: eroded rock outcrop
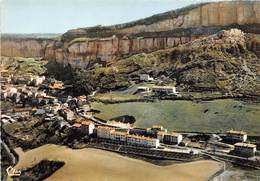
(221, 62)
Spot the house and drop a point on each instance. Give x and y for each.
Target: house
(77, 128)
(164, 89)
(142, 141)
(172, 138)
(245, 149)
(104, 131)
(146, 77)
(22, 112)
(236, 136)
(81, 100)
(158, 128)
(88, 127)
(68, 114)
(56, 85)
(36, 81)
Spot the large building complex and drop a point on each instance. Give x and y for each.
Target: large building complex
(124, 136)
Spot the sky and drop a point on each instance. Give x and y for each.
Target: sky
(58, 16)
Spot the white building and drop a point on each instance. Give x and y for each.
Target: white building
(142, 141)
(143, 89)
(146, 77)
(104, 132)
(245, 149)
(170, 138)
(164, 89)
(238, 136)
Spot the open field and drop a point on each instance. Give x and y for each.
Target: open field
(208, 116)
(93, 165)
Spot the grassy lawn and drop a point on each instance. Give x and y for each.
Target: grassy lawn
(218, 115)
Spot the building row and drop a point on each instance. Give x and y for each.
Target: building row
(144, 137)
(124, 136)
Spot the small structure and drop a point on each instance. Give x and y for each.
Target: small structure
(158, 128)
(146, 77)
(245, 149)
(169, 138)
(88, 127)
(143, 89)
(22, 112)
(164, 89)
(56, 85)
(236, 136)
(6, 119)
(68, 114)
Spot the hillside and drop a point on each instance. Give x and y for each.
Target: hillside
(220, 62)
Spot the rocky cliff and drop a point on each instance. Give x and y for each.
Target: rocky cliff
(85, 46)
(221, 62)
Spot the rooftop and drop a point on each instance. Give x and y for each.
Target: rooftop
(236, 132)
(172, 134)
(77, 125)
(158, 126)
(86, 122)
(119, 133)
(140, 137)
(105, 127)
(25, 109)
(248, 145)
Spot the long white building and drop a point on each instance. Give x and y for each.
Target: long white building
(110, 133)
(143, 141)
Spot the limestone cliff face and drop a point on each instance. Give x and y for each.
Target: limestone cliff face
(85, 46)
(23, 47)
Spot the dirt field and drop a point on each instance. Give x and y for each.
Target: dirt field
(98, 165)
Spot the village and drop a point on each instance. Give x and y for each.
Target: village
(47, 99)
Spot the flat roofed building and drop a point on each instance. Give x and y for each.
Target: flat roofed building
(143, 141)
(165, 89)
(245, 149)
(104, 132)
(118, 136)
(158, 127)
(146, 77)
(172, 138)
(237, 136)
